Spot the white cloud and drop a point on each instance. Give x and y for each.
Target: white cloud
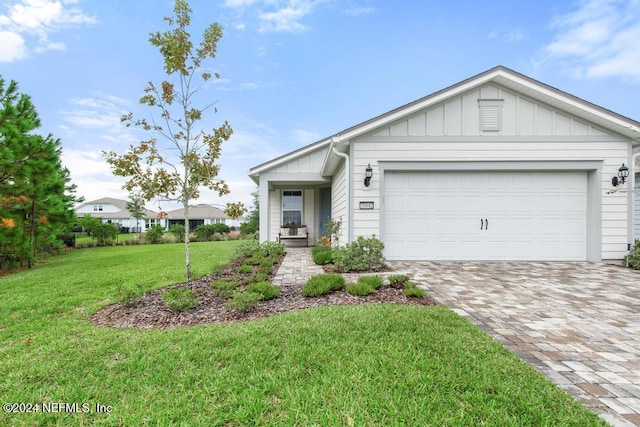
(284, 20)
(275, 15)
(599, 39)
(37, 19)
(12, 47)
(93, 113)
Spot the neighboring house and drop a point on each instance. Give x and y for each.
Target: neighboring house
(497, 167)
(115, 211)
(198, 215)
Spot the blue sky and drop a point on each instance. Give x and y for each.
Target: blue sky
(296, 71)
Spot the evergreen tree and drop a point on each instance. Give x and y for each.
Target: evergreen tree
(36, 194)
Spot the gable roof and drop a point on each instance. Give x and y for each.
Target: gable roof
(120, 204)
(201, 211)
(501, 75)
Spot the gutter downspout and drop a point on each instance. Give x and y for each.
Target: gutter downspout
(632, 185)
(347, 183)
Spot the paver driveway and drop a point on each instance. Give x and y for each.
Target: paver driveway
(578, 323)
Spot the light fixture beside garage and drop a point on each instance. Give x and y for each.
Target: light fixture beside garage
(623, 173)
(368, 173)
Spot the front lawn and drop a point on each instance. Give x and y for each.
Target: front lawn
(380, 364)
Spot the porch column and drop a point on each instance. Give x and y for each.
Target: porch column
(264, 208)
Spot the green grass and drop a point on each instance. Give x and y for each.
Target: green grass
(357, 365)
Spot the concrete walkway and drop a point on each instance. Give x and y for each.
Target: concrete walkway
(577, 323)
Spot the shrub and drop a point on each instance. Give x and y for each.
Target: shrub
(180, 299)
(246, 248)
(243, 301)
(363, 254)
(104, 233)
(266, 290)
(398, 280)
(256, 258)
(272, 249)
(414, 292)
(360, 289)
(258, 277)
(633, 258)
(322, 284)
(245, 269)
(321, 255)
(178, 231)
(154, 234)
(208, 232)
(224, 288)
(372, 281)
(266, 268)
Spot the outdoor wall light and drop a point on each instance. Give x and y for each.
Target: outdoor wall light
(623, 173)
(368, 173)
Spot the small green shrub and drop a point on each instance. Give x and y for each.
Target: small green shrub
(242, 301)
(180, 299)
(266, 290)
(321, 255)
(414, 292)
(322, 284)
(178, 231)
(258, 277)
(126, 295)
(154, 234)
(374, 282)
(272, 249)
(360, 289)
(398, 280)
(224, 288)
(246, 248)
(266, 269)
(104, 233)
(256, 258)
(209, 232)
(410, 285)
(633, 258)
(363, 254)
(244, 269)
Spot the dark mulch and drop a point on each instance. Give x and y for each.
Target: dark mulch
(150, 310)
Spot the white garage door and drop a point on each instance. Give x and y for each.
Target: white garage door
(485, 215)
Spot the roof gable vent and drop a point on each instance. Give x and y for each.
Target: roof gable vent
(490, 114)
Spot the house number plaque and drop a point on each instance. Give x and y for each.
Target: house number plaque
(366, 205)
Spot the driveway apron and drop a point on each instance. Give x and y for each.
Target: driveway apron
(577, 323)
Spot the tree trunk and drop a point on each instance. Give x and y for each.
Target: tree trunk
(185, 204)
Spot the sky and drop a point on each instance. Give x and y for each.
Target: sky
(293, 72)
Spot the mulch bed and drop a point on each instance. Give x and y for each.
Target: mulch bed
(150, 310)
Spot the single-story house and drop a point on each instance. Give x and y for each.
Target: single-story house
(198, 215)
(115, 211)
(497, 167)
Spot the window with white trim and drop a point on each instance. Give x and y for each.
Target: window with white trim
(292, 207)
(97, 208)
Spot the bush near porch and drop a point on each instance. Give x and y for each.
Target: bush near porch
(363, 254)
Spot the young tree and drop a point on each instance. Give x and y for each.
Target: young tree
(148, 169)
(135, 206)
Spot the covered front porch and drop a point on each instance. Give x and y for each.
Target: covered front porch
(294, 206)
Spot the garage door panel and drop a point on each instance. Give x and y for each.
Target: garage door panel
(531, 215)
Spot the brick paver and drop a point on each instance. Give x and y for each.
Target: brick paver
(577, 323)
